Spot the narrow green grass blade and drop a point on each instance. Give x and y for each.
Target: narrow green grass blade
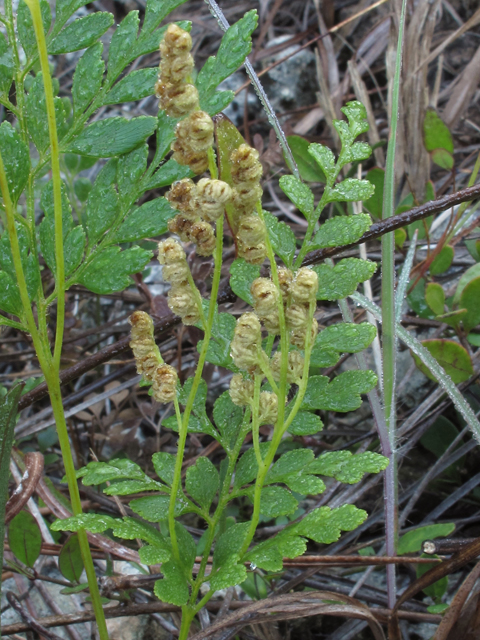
(389, 337)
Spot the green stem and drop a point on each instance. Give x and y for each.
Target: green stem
(41, 305)
(187, 617)
(198, 297)
(196, 382)
(177, 477)
(302, 388)
(30, 198)
(17, 263)
(52, 378)
(281, 425)
(279, 431)
(51, 365)
(19, 95)
(311, 227)
(264, 364)
(219, 511)
(189, 611)
(53, 383)
(255, 419)
(11, 107)
(34, 7)
(282, 388)
(212, 164)
(6, 322)
(269, 345)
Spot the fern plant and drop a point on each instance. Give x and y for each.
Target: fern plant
(264, 375)
(84, 236)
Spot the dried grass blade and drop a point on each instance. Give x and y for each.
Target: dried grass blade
(297, 605)
(472, 22)
(455, 609)
(464, 91)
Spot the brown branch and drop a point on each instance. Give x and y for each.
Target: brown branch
(109, 584)
(29, 620)
(164, 324)
(50, 549)
(445, 546)
(24, 491)
(308, 561)
(397, 222)
(87, 616)
(466, 554)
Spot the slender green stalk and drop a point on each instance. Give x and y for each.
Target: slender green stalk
(198, 297)
(302, 388)
(255, 420)
(182, 438)
(34, 7)
(269, 346)
(51, 365)
(224, 498)
(11, 107)
(55, 393)
(264, 465)
(19, 95)
(312, 222)
(17, 263)
(282, 387)
(189, 611)
(188, 615)
(8, 412)
(264, 365)
(52, 378)
(280, 429)
(6, 322)
(389, 338)
(212, 163)
(196, 382)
